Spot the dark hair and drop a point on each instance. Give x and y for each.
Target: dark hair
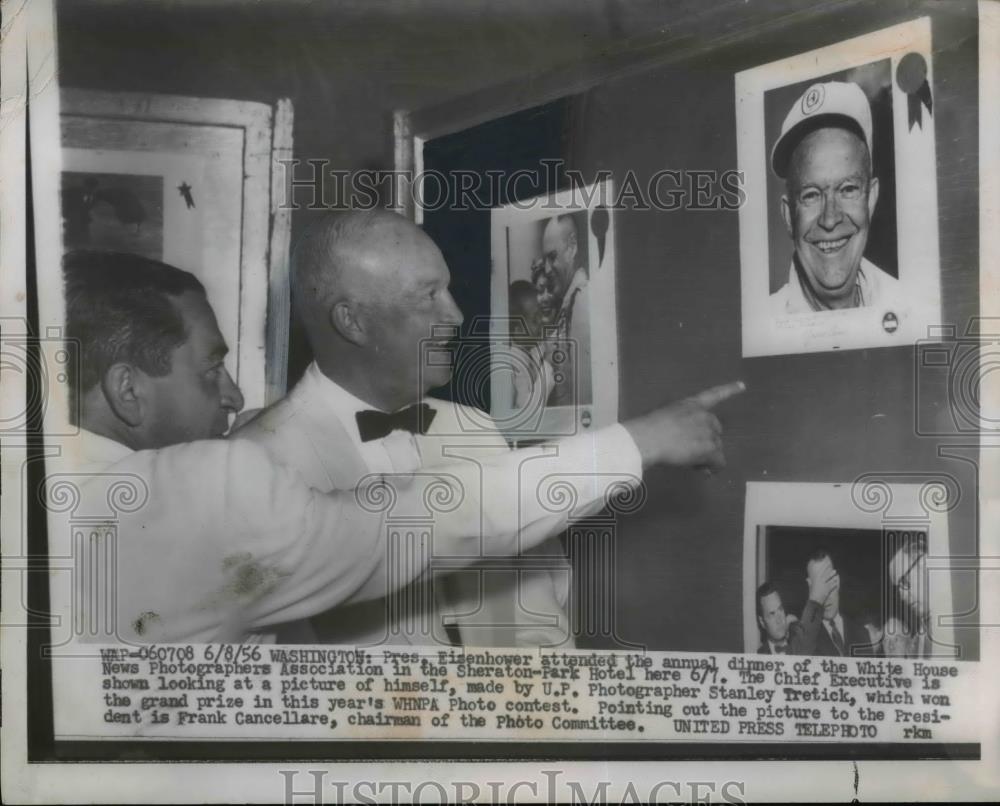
(765, 590)
(820, 553)
(519, 291)
(118, 309)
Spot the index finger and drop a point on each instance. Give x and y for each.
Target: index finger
(714, 396)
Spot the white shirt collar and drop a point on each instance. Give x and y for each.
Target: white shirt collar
(397, 452)
(344, 404)
(866, 281)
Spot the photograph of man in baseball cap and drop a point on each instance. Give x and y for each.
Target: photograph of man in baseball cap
(824, 155)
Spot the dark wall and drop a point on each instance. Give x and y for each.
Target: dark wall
(345, 64)
(506, 146)
(821, 417)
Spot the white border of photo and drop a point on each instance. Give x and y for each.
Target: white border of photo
(869, 503)
(557, 421)
(916, 207)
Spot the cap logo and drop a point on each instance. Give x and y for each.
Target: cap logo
(813, 99)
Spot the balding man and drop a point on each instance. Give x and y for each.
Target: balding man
(371, 288)
(560, 247)
(824, 156)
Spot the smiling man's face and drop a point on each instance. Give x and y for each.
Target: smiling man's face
(828, 208)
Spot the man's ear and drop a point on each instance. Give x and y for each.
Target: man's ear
(119, 386)
(786, 213)
(872, 196)
(349, 321)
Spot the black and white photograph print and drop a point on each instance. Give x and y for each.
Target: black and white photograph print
(183, 180)
(820, 591)
(554, 357)
(838, 237)
(113, 212)
(390, 388)
(828, 256)
(842, 570)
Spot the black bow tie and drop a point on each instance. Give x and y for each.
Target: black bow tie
(377, 424)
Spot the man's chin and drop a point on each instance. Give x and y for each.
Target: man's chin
(835, 283)
(435, 378)
(833, 278)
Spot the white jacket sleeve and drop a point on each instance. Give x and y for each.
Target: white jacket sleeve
(386, 533)
(229, 543)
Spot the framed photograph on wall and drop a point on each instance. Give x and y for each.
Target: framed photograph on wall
(881, 549)
(839, 232)
(190, 182)
(554, 336)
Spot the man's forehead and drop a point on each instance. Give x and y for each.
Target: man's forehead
(399, 255)
(772, 600)
(556, 232)
(193, 307)
(200, 322)
(424, 267)
(826, 145)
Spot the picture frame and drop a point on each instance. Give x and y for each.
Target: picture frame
(894, 297)
(193, 182)
(577, 385)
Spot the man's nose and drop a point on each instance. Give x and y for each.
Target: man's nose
(232, 397)
(831, 214)
(451, 314)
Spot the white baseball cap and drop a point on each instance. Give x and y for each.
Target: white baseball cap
(833, 103)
